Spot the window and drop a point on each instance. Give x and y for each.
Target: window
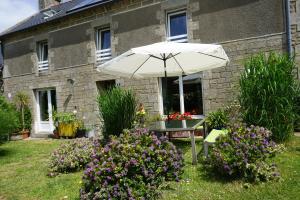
(177, 26)
(184, 93)
(103, 86)
(43, 56)
(50, 13)
(103, 45)
(189, 99)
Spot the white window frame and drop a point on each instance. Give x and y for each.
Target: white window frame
(181, 39)
(177, 38)
(43, 65)
(102, 55)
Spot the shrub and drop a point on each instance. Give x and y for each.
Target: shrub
(72, 155)
(9, 120)
(132, 166)
(244, 153)
(217, 119)
(117, 109)
(268, 92)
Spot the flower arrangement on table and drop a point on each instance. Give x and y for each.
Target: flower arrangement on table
(140, 116)
(178, 116)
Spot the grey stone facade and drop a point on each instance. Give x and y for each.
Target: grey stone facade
(242, 27)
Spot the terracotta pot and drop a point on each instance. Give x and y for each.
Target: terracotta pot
(56, 134)
(25, 134)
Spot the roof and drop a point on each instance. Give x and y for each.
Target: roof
(61, 10)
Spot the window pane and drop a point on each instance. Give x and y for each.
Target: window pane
(53, 100)
(43, 101)
(178, 24)
(192, 90)
(45, 51)
(172, 96)
(105, 39)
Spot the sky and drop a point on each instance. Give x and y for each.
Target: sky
(14, 11)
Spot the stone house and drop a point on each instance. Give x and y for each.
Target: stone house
(53, 55)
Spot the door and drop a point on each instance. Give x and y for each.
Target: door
(46, 104)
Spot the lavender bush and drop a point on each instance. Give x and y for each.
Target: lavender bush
(72, 155)
(132, 166)
(245, 152)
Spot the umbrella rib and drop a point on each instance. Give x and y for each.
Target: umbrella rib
(140, 66)
(212, 56)
(130, 55)
(156, 57)
(178, 62)
(171, 55)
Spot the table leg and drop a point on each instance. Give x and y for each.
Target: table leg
(194, 155)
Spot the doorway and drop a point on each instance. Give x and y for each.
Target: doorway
(46, 105)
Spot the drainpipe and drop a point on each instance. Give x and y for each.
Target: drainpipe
(1, 56)
(288, 27)
(1, 68)
(288, 31)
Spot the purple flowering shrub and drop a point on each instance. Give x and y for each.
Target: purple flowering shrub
(131, 166)
(72, 155)
(245, 153)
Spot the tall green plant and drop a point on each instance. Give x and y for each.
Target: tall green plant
(9, 120)
(117, 108)
(267, 94)
(21, 100)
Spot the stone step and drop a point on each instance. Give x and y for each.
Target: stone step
(41, 135)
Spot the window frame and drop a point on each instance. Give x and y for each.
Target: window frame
(43, 65)
(98, 37)
(169, 14)
(102, 55)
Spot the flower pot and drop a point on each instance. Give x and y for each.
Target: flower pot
(25, 134)
(55, 134)
(67, 129)
(80, 133)
(90, 133)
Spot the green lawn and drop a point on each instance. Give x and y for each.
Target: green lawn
(23, 169)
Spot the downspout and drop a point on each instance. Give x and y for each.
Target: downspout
(1, 67)
(1, 56)
(289, 32)
(288, 27)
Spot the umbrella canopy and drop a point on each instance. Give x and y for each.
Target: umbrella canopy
(166, 58)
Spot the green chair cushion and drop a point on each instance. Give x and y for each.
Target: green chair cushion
(214, 134)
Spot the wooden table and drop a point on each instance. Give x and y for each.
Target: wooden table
(162, 127)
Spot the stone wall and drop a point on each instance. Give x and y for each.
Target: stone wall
(220, 86)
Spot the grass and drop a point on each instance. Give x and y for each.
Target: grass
(196, 184)
(23, 169)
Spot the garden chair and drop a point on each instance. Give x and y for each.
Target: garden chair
(211, 139)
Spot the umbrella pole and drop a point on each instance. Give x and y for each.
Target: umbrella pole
(166, 85)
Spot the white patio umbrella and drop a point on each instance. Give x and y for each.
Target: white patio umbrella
(166, 59)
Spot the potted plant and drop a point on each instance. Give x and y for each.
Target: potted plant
(66, 123)
(81, 130)
(217, 119)
(22, 101)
